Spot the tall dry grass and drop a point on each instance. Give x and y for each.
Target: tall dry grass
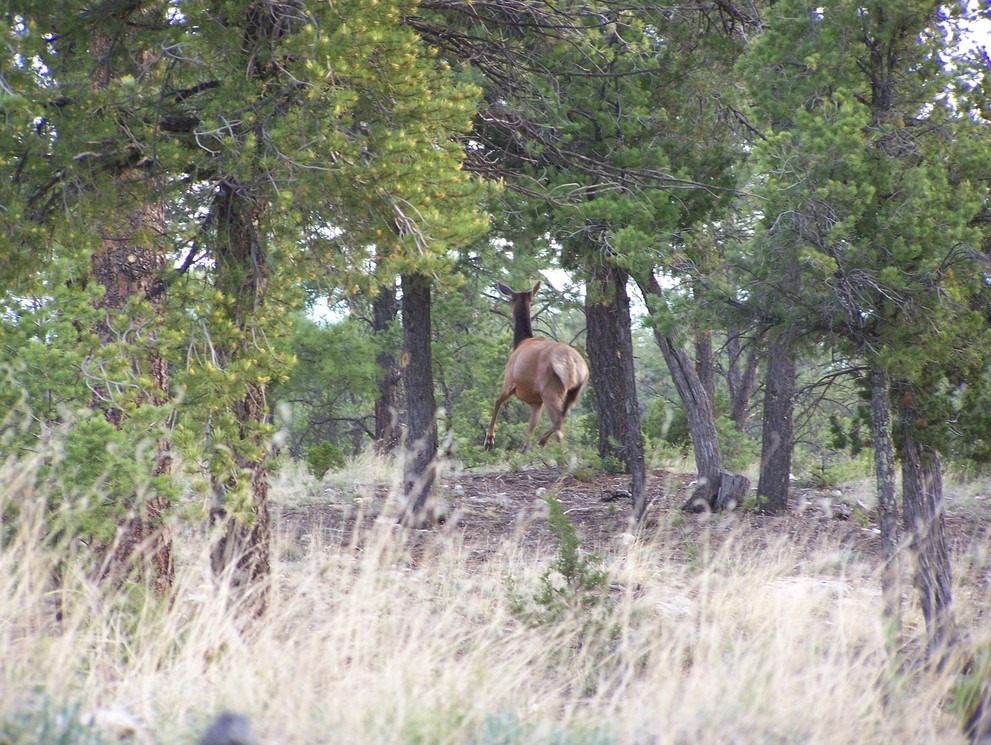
(394, 637)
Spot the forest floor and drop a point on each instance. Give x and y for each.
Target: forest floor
(493, 510)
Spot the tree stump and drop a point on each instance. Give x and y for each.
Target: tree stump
(733, 488)
(725, 494)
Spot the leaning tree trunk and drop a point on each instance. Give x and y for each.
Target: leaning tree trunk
(420, 466)
(922, 500)
(388, 404)
(698, 407)
(777, 441)
(884, 468)
(242, 551)
(610, 356)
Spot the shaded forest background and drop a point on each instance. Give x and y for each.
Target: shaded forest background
(237, 229)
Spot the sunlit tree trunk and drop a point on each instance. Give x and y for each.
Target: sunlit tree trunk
(129, 265)
(884, 468)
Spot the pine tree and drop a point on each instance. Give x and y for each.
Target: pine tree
(872, 193)
(288, 142)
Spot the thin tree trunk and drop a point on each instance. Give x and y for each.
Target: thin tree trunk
(243, 550)
(610, 356)
(884, 467)
(777, 441)
(741, 377)
(705, 364)
(420, 467)
(698, 407)
(388, 405)
(922, 500)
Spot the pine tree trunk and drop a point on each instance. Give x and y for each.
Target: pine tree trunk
(388, 405)
(777, 442)
(698, 405)
(610, 357)
(420, 465)
(884, 467)
(243, 550)
(922, 500)
(128, 266)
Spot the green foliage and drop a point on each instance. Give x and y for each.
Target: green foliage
(324, 457)
(754, 503)
(667, 422)
(739, 450)
(346, 145)
(848, 434)
(58, 385)
(332, 386)
(871, 228)
(974, 423)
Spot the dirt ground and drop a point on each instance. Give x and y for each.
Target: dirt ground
(489, 509)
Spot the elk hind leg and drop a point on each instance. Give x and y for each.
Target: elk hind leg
(535, 410)
(556, 411)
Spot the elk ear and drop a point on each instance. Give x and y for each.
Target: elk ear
(534, 290)
(505, 290)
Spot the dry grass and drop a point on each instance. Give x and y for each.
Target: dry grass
(396, 637)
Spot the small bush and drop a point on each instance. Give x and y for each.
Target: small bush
(324, 457)
(575, 582)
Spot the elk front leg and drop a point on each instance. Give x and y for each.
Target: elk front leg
(490, 434)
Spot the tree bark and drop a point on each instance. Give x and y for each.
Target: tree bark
(884, 467)
(922, 501)
(131, 261)
(698, 405)
(610, 357)
(128, 265)
(388, 405)
(243, 549)
(420, 466)
(705, 364)
(777, 441)
(741, 376)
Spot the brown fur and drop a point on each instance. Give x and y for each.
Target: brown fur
(542, 373)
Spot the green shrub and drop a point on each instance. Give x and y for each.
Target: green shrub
(324, 457)
(575, 582)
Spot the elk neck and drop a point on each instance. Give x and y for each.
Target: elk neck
(522, 329)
